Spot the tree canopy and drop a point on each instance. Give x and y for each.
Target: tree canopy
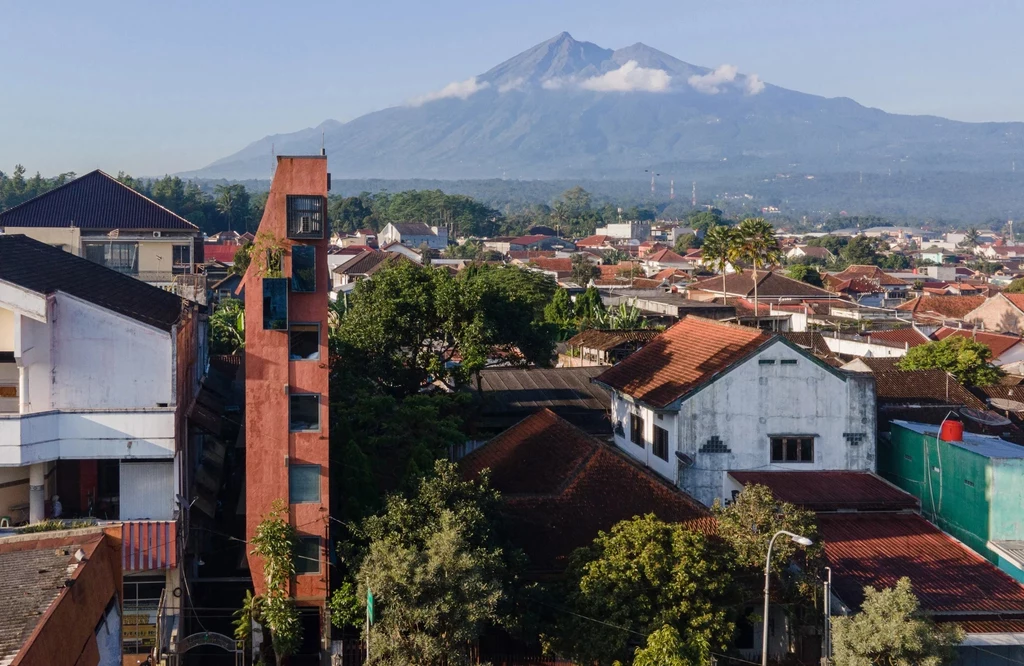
(964, 358)
(805, 273)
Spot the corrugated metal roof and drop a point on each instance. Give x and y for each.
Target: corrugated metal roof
(988, 446)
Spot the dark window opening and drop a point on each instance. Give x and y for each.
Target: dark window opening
(307, 555)
(969, 483)
(303, 268)
(303, 484)
(660, 446)
(792, 449)
(788, 361)
(636, 429)
(304, 412)
(122, 257)
(305, 216)
(304, 342)
(766, 361)
(275, 304)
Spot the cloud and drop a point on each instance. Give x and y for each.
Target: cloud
(514, 84)
(754, 85)
(459, 89)
(712, 82)
(555, 83)
(629, 77)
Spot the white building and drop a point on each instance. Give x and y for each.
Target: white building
(414, 234)
(626, 230)
(705, 398)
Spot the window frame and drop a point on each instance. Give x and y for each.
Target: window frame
(291, 326)
(306, 467)
(319, 409)
(636, 434)
(305, 559)
(296, 283)
(659, 443)
(279, 323)
(295, 213)
(800, 442)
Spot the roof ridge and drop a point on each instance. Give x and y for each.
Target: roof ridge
(56, 189)
(134, 191)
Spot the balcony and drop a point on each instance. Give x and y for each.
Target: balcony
(92, 434)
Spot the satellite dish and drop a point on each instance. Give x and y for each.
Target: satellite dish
(1007, 404)
(983, 417)
(684, 460)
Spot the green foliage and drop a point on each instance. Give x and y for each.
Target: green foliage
(583, 271)
(687, 242)
(861, 250)
(55, 524)
(243, 256)
(625, 317)
(233, 203)
(833, 244)
(805, 273)
(589, 307)
(437, 576)
(962, 357)
(274, 543)
(896, 261)
(705, 220)
(16, 189)
(561, 312)
(644, 575)
(347, 610)
(350, 214)
(755, 244)
(227, 327)
(971, 238)
(1015, 287)
(891, 630)
(665, 647)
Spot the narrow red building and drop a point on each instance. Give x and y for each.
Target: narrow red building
(286, 376)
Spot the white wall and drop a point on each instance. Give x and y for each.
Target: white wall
(750, 403)
(147, 490)
(6, 330)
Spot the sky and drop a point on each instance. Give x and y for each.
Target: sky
(158, 87)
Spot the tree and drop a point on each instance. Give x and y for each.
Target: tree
(233, 203)
(861, 250)
(757, 245)
(240, 262)
(805, 273)
(583, 271)
(687, 242)
(589, 306)
(227, 327)
(1015, 287)
(626, 317)
(891, 630)
(705, 220)
(895, 261)
(665, 647)
(962, 357)
(971, 238)
(642, 576)
(719, 250)
(435, 570)
(561, 312)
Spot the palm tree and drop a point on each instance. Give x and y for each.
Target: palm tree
(758, 246)
(719, 250)
(971, 238)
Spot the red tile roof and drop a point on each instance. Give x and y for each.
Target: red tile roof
(1016, 299)
(550, 264)
(873, 273)
(769, 285)
(941, 307)
(831, 491)
(527, 240)
(594, 241)
(682, 358)
(998, 343)
(878, 549)
(560, 487)
(909, 337)
(666, 257)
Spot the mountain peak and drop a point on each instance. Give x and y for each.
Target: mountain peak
(560, 56)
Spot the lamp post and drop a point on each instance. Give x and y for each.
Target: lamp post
(796, 538)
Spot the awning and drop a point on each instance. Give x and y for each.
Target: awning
(149, 544)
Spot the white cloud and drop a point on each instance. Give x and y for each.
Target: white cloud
(629, 77)
(514, 84)
(712, 82)
(754, 85)
(459, 89)
(554, 83)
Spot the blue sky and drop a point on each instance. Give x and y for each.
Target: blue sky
(152, 88)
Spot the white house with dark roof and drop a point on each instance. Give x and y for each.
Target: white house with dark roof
(414, 234)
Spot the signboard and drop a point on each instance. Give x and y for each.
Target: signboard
(8, 391)
(208, 638)
(138, 627)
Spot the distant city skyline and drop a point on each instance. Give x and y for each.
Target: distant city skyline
(154, 89)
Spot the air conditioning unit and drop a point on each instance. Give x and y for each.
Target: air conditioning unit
(157, 234)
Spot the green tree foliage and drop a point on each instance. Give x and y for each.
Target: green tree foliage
(583, 271)
(833, 244)
(720, 249)
(465, 216)
(891, 630)
(805, 273)
(895, 261)
(233, 204)
(573, 214)
(971, 238)
(240, 262)
(687, 242)
(561, 312)
(350, 214)
(962, 357)
(861, 250)
(227, 327)
(756, 244)
(16, 189)
(704, 220)
(436, 571)
(589, 307)
(665, 647)
(1015, 287)
(643, 575)
(625, 317)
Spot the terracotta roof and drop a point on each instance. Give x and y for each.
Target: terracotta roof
(682, 358)
(1002, 625)
(602, 340)
(909, 337)
(921, 387)
(94, 201)
(1016, 299)
(941, 307)
(997, 342)
(366, 232)
(878, 549)
(811, 340)
(873, 273)
(769, 285)
(560, 487)
(413, 229)
(528, 240)
(666, 257)
(831, 491)
(557, 265)
(857, 285)
(815, 251)
(44, 269)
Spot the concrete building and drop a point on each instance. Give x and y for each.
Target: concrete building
(706, 397)
(414, 234)
(286, 377)
(98, 218)
(635, 230)
(1003, 313)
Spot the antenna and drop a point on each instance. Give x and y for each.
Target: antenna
(323, 142)
(671, 189)
(273, 160)
(693, 199)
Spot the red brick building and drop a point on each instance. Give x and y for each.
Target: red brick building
(286, 372)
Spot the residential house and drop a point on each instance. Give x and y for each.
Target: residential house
(600, 347)
(595, 242)
(705, 396)
(286, 378)
(901, 337)
(635, 230)
(660, 260)
(98, 218)
(225, 288)
(99, 374)
(937, 310)
(413, 254)
(811, 253)
(1007, 350)
(362, 266)
(541, 242)
(662, 307)
(366, 237)
(999, 252)
(935, 255)
(772, 287)
(413, 235)
(1003, 313)
(891, 290)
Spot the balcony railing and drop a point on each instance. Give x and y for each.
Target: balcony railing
(306, 216)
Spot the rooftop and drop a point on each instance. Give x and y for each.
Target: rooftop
(900, 337)
(94, 201)
(518, 392)
(831, 491)
(999, 343)
(940, 307)
(873, 273)
(602, 340)
(413, 228)
(769, 285)
(988, 446)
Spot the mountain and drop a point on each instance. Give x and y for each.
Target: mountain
(572, 109)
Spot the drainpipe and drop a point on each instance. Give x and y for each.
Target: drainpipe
(36, 493)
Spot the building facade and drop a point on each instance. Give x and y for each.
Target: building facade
(414, 234)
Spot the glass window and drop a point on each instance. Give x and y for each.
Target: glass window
(636, 429)
(303, 484)
(119, 256)
(792, 449)
(304, 342)
(305, 216)
(307, 555)
(275, 304)
(182, 255)
(304, 412)
(303, 268)
(660, 446)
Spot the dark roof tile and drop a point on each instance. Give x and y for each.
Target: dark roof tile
(831, 491)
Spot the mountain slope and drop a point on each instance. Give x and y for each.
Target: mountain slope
(571, 109)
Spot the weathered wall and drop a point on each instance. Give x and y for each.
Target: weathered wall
(68, 239)
(6, 330)
(997, 314)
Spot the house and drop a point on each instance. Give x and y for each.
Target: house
(560, 487)
(99, 376)
(1003, 313)
(663, 307)
(634, 230)
(226, 288)
(541, 242)
(286, 378)
(404, 250)
(62, 599)
(997, 252)
(811, 253)
(661, 259)
(363, 265)
(934, 310)
(772, 287)
(413, 235)
(1007, 350)
(595, 242)
(890, 289)
(901, 337)
(98, 218)
(599, 347)
(366, 237)
(707, 396)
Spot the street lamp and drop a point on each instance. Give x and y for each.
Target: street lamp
(796, 538)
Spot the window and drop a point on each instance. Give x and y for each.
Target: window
(303, 268)
(121, 257)
(305, 217)
(303, 484)
(304, 342)
(788, 361)
(636, 429)
(182, 259)
(307, 555)
(304, 412)
(968, 483)
(766, 361)
(660, 447)
(792, 449)
(275, 304)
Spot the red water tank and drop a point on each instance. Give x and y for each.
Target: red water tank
(952, 431)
